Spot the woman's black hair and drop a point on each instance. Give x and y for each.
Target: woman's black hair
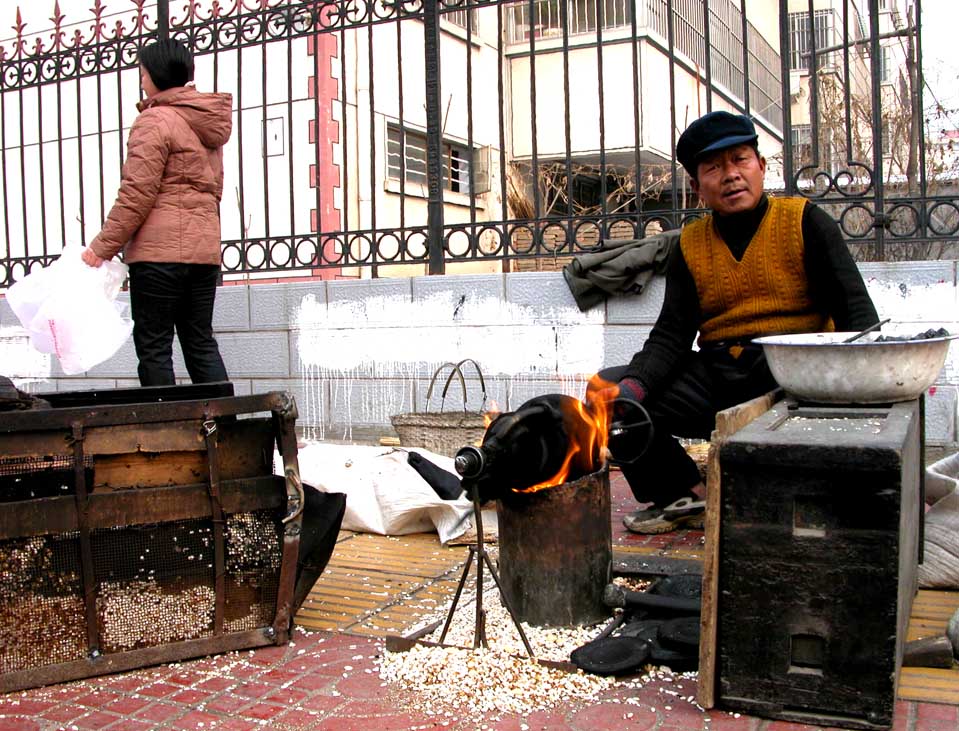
(168, 62)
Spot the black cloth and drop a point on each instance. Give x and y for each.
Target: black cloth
(835, 283)
(167, 297)
(618, 267)
(445, 484)
(322, 517)
(686, 388)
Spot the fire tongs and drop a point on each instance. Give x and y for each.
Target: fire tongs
(478, 551)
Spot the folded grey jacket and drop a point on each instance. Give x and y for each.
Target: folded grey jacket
(618, 267)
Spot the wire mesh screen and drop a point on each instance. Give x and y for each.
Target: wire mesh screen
(156, 584)
(253, 556)
(41, 602)
(24, 478)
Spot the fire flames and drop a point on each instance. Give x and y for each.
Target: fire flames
(491, 413)
(596, 416)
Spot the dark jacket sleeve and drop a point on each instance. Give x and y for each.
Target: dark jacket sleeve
(675, 329)
(834, 278)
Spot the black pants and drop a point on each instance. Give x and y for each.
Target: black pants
(706, 383)
(167, 297)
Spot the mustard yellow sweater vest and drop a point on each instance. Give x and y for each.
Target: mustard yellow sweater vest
(765, 293)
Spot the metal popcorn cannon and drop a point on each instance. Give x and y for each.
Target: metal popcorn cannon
(546, 466)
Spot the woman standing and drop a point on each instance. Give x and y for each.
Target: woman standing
(166, 217)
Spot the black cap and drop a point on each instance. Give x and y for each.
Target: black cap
(711, 132)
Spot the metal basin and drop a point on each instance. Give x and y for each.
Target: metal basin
(819, 367)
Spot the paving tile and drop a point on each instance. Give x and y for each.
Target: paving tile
(323, 704)
(126, 706)
(278, 677)
(189, 697)
(936, 712)
(18, 705)
(194, 720)
(254, 689)
(131, 724)
(361, 685)
(63, 714)
(365, 708)
(262, 711)
(186, 677)
(159, 690)
(228, 703)
(312, 681)
(18, 723)
(215, 684)
(236, 724)
(95, 720)
(540, 721)
(158, 712)
(298, 718)
(603, 716)
(126, 682)
(269, 655)
(396, 722)
(905, 716)
(723, 721)
(287, 697)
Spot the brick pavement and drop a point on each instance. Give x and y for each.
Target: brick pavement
(329, 682)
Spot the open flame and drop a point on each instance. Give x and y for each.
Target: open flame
(594, 438)
(491, 413)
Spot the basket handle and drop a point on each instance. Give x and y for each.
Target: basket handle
(436, 373)
(457, 370)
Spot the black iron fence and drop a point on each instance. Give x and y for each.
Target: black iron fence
(380, 134)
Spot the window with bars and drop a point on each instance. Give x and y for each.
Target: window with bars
(582, 16)
(885, 65)
(457, 161)
(800, 49)
(459, 18)
(801, 137)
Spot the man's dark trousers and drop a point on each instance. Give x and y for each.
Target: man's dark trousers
(708, 381)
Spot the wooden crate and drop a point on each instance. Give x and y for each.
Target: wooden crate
(141, 526)
(818, 546)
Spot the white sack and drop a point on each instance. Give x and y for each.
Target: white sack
(70, 310)
(384, 494)
(940, 566)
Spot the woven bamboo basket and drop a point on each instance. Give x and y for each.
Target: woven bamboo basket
(443, 432)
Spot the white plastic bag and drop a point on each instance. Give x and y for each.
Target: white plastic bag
(70, 310)
(384, 494)
(940, 566)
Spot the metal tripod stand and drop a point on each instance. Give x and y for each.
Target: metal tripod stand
(478, 551)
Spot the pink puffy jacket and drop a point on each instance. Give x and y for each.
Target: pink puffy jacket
(167, 209)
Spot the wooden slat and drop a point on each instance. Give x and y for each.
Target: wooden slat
(728, 422)
(931, 611)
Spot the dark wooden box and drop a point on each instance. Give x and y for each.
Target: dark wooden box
(818, 549)
(141, 526)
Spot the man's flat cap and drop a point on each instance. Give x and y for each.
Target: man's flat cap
(711, 132)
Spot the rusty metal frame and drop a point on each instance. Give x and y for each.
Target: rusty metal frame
(66, 428)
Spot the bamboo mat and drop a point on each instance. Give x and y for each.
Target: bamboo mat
(379, 585)
(931, 611)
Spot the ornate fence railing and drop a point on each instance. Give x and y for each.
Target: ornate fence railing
(379, 134)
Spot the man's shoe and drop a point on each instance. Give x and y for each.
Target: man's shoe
(685, 512)
(640, 516)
